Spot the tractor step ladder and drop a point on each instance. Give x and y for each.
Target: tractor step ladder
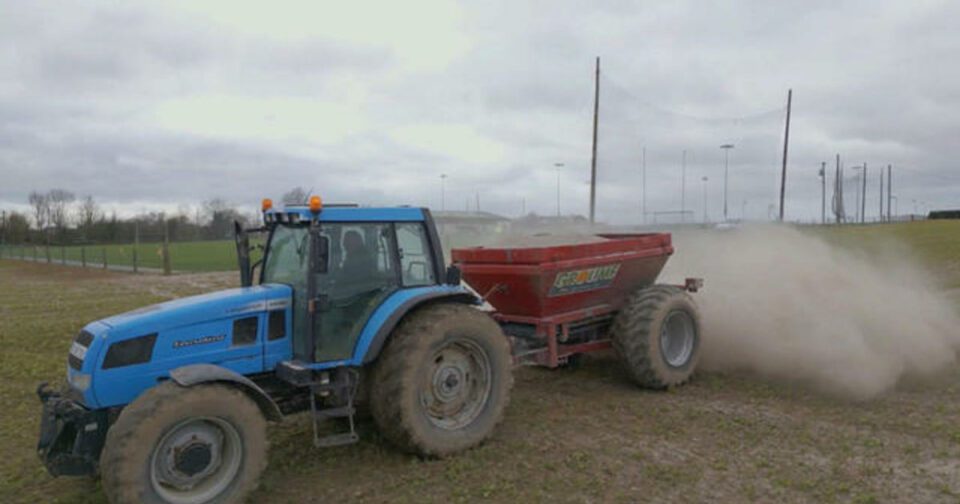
(343, 385)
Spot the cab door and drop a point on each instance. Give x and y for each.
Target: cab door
(361, 272)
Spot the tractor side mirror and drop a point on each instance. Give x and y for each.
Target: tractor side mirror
(454, 276)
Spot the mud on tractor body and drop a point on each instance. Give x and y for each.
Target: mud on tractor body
(170, 402)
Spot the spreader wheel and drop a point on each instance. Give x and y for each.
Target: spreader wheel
(443, 381)
(657, 334)
(200, 444)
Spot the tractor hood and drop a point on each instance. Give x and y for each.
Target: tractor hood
(196, 309)
(149, 342)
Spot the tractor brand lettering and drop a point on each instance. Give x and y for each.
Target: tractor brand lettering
(199, 341)
(276, 304)
(569, 282)
(249, 307)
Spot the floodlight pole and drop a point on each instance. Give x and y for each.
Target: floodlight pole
(704, 179)
(726, 169)
(443, 178)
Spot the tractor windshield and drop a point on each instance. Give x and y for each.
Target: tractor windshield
(288, 256)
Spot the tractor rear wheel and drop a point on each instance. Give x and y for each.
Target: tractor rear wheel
(443, 380)
(205, 443)
(657, 334)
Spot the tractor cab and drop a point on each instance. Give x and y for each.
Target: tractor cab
(343, 263)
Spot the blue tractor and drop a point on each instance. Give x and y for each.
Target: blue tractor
(169, 403)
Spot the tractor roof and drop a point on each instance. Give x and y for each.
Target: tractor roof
(346, 214)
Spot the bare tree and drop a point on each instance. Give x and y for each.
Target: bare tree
(59, 200)
(41, 208)
(88, 213)
(221, 216)
(295, 196)
(16, 228)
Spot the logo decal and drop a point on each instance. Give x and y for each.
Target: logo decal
(570, 282)
(199, 341)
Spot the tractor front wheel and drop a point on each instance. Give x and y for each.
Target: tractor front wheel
(657, 334)
(200, 444)
(443, 381)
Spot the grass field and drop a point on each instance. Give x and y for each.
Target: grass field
(935, 242)
(570, 435)
(218, 255)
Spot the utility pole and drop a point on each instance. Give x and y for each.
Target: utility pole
(823, 192)
(882, 219)
(889, 188)
(726, 168)
(593, 159)
(863, 197)
(786, 144)
(643, 176)
(838, 194)
(478, 201)
(683, 186)
(558, 166)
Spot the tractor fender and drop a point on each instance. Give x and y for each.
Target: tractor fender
(383, 332)
(196, 374)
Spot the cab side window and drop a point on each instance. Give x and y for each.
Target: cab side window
(416, 262)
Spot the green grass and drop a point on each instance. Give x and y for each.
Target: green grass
(184, 256)
(935, 242)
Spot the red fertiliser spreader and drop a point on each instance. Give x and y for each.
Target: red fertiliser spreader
(557, 302)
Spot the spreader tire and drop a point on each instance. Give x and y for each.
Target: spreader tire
(443, 380)
(211, 436)
(657, 335)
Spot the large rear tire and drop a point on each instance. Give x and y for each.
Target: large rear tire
(200, 444)
(442, 383)
(657, 334)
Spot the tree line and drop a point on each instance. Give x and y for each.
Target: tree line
(57, 216)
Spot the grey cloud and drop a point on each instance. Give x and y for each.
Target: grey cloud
(872, 80)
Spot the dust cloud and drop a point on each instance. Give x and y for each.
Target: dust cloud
(788, 306)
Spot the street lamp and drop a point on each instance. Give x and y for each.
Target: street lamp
(704, 179)
(443, 178)
(726, 169)
(558, 166)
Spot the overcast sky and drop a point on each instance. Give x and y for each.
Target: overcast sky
(155, 105)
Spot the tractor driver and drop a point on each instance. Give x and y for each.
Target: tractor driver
(359, 263)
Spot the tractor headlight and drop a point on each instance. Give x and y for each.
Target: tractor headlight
(80, 381)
